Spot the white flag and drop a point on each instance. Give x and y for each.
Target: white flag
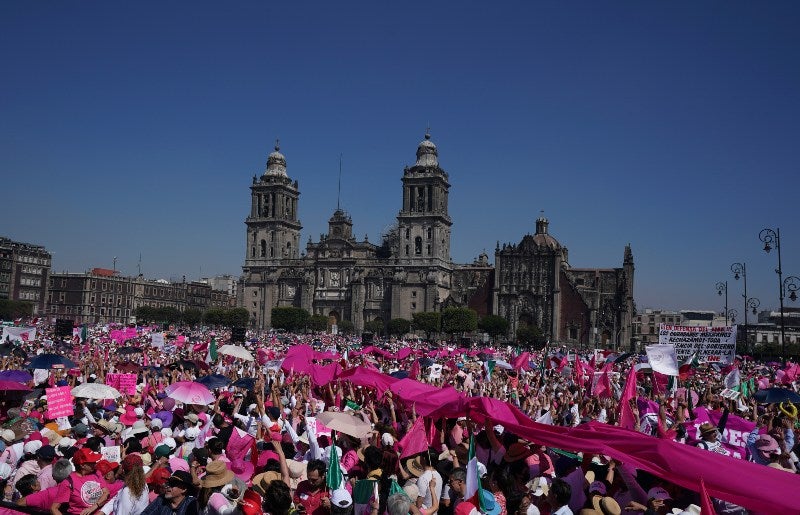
(663, 359)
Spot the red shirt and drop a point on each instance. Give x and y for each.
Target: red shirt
(311, 501)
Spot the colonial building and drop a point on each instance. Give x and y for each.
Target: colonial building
(411, 271)
(24, 269)
(104, 296)
(535, 285)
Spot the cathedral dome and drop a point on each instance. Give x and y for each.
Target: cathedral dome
(542, 238)
(276, 162)
(427, 155)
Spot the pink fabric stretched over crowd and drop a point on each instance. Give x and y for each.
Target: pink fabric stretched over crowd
(368, 377)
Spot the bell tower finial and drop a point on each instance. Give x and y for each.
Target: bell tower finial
(277, 145)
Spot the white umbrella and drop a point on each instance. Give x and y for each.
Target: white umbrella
(95, 391)
(237, 352)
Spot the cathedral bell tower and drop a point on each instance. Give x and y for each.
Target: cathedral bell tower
(423, 223)
(273, 230)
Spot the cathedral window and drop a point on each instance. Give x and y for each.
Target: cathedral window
(429, 249)
(418, 246)
(263, 248)
(407, 250)
(408, 233)
(430, 233)
(252, 252)
(272, 252)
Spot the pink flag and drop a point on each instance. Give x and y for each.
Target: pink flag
(564, 363)
(415, 441)
(626, 418)
(706, 508)
(579, 371)
(603, 387)
(522, 362)
(145, 360)
(592, 365)
(415, 369)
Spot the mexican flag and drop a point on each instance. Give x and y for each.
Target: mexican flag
(686, 370)
(473, 486)
(334, 476)
(365, 493)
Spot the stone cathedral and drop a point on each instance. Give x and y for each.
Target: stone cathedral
(411, 271)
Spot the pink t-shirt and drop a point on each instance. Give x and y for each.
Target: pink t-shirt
(43, 499)
(81, 493)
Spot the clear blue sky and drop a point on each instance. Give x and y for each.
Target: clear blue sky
(136, 127)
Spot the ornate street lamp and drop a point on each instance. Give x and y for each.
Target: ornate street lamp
(791, 284)
(740, 270)
(723, 287)
(731, 313)
(770, 238)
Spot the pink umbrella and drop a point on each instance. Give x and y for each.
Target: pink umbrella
(13, 385)
(190, 392)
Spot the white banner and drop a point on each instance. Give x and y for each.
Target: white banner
(19, 334)
(663, 359)
(712, 344)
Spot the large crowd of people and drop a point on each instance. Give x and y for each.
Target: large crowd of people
(171, 422)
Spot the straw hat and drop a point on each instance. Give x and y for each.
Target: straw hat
(606, 505)
(414, 466)
(217, 474)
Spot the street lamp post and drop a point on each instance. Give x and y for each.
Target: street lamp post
(770, 237)
(732, 314)
(723, 287)
(740, 269)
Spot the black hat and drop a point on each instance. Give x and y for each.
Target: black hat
(183, 477)
(46, 453)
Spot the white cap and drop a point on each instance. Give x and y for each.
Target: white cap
(32, 446)
(139, 412)
(167, 432)
(387, 439)
(156, 423)
(8, 435)
(191, 433)
(5, 470)
(341, 498)
(499, 429)
(171, 442)
(252, 407)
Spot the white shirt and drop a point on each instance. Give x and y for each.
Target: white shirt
(423, 483)
(124, 503)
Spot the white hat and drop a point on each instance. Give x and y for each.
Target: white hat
(252, 407)
(156, 423)
(31, 447)
(5, 470)
(341, 498)
(167, 432)
(139, 427)
(692, 509)
(8, 435)
(170, 442)
(139, 412)
(191, 433)
(499, 429)
(387, 439)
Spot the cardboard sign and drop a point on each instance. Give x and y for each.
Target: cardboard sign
(157, 340)
(125, 383)
(59, 402)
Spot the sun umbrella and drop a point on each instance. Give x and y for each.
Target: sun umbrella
(185, 363)
(425, 362)
(399, 374)
(776, 395)
(345, 423)
(503, 364)
(129, 350)
(214, 381)
(190, 392)
(127, 367)
(13, 386)
(9, 349)
(236, 351)
(95, 391)
(46, 361)
(248, 383)
(20, 376)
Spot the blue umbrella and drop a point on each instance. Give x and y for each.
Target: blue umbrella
(426, 362)
(400, 374)
(19, 376)
(214, 381)
(776, 395)
(47, 361)
(246, 382)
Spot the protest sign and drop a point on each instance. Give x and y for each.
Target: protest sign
(663, 359)
(125, 383)
(712, 344)
(157, 340)
(59, 402)
(19, 334)
(112, 454)
(436, 371)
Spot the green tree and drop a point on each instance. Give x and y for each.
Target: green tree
(346, 327)
(144, 314)
(427, 321)
(13, 309)
(192, 316)
(399, 326)
(167, 315)
(459, 320)
(237, 317)
(214, 317)
(530, 335)
(289, 318)
(374, 326)
(318, 323)
(494, 325)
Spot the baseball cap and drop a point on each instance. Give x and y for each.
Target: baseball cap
(341, 498)
(658, 493)
(86, 455)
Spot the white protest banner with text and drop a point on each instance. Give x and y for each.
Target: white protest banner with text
(712, 344)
